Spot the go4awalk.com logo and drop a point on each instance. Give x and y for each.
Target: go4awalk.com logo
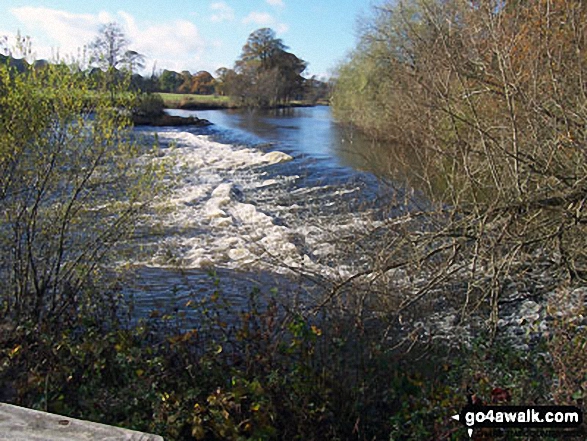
(526, 417)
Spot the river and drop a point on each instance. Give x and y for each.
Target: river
(281, 198)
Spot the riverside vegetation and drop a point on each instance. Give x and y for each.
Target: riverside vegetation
(485, 104)
(485, 100)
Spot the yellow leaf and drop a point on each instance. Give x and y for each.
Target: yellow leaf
(14, 351)
(198, 432)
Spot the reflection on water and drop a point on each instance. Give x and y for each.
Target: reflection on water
(304, 131)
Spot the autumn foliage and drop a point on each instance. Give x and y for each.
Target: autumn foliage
(485, 104)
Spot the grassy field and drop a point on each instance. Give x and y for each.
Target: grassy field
(177, 100)
(204, 102)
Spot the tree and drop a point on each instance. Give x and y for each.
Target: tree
(266, 73)
(226, 80)
(485, 103)
(109, 50)
(70, 192)
(186, 85)
(170, 81)
(316, 90)
(261, 47)
(289, 68)
(202, 83)
(133, 61)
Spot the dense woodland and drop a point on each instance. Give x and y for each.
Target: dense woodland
(484, 102)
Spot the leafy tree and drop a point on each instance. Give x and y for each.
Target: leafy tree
(316, 90)
(133, 61)
(170, 81)
(261, 48)
(70, 192)
(290, 68)
(266, 73)
(226, 79)
(202, 83)
(186, 85)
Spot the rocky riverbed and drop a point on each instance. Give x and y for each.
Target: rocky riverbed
(523, 321)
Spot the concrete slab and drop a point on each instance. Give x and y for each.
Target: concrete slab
(21, 424)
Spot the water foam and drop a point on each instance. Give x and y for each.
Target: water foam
(225, 211)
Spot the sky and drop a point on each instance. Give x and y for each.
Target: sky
(189, 35)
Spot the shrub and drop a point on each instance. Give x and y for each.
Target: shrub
(489, 116)
(70, 192)
(149, 105)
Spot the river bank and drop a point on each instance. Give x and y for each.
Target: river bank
(217, 102)
(261, 305)
(165, 120)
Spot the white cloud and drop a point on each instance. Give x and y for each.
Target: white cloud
(222, 12)
(276, 3)
(66, 31)
(265, 19)
(259, 18)
(174, 45)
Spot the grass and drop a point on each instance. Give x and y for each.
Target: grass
(203, 102)
(178, 100)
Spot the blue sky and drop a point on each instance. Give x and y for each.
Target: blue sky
(190, 34)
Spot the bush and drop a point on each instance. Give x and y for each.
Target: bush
(150, 105)
(489, 117)
(70, 193)
(264, 373)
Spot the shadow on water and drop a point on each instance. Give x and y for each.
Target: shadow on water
(178, 294)
(302, 132)
(333, 182)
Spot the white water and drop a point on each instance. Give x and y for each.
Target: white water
(238, 207)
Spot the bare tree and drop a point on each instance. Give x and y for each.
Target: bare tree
(109, 50)
(485, 104)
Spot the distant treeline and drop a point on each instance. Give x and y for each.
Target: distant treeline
(20, 64)
(264, 75)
